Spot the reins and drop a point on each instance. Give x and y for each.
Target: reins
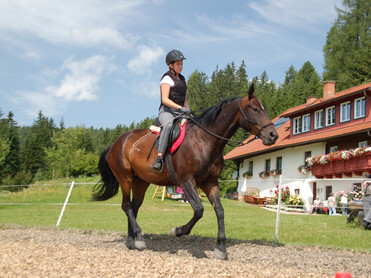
(239, 143)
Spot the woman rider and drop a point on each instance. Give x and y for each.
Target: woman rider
(173, 101)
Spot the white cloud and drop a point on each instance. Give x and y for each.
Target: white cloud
(84, 23)
(145, 58)
(296, 13)
(80, 83)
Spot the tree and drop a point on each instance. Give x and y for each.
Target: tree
(197, 91)
(4, 144)
(67, 153)
(347, 51)
(12, 160)
(37, 140)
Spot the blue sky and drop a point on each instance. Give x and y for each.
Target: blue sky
(98, 62)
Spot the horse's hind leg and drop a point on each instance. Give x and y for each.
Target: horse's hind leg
(139, 188)
(126, 180)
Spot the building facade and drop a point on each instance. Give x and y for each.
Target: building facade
(321, 129)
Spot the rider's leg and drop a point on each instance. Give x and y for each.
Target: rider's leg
(166, 120)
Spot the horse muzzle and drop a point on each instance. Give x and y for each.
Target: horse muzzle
(269, 138)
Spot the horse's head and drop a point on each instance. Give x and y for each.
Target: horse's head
(254, 118)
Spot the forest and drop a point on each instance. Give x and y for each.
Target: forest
(48, 150)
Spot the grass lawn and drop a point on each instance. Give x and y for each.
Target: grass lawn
(40, 206)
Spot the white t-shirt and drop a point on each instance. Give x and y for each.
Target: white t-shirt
(167, 80)
(344, 200)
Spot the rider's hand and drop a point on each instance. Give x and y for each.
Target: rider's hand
(185, 110)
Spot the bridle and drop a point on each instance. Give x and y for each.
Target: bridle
(240, 143)
(247, 120)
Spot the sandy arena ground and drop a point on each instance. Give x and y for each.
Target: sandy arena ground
(35, 252)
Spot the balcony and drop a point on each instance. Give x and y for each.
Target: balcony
(338, 168)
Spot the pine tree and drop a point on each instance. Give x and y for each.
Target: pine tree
(38, 139)
(4, 144)
(197, 91)
(12, 160)
(347, 51)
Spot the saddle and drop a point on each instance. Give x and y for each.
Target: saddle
(177, 133)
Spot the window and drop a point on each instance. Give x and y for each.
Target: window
(306, 155)
(297, 191)
(328, 191)
(297, 125)
(359, 107)
(334, 149)
(279, 163)
(251, 166)
(362, 144)
(330, 116)
(318, 119)
(268, 165)
(345, 112)
(306, 123)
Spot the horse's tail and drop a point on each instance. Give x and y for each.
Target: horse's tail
(108, 186)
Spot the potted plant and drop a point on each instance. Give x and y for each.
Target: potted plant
(275, 172)
(247, 174)
(264, 174)
(304, 169)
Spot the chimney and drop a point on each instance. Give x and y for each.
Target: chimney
(328, 89)
(310, 100)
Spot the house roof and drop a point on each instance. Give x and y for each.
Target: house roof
(322, 101)
(284, 140)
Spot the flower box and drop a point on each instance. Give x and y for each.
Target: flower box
(338, 166)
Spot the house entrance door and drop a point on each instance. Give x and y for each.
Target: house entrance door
(314, 191)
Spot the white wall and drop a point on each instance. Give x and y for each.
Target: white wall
(292, 158)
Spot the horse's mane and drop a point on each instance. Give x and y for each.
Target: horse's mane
(209, 115)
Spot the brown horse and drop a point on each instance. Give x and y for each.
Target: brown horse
(197, 162)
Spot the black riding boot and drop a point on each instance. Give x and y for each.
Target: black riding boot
(158, 164)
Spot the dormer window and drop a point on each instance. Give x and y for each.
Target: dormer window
(296, 125)
(359, 107)
(318, 119)
(306, 123)
(330, 115)
(345, 112)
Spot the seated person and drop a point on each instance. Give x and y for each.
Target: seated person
(316, 205)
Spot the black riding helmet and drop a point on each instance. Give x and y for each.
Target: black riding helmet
(174, 55)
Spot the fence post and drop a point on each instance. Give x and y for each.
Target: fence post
(278, 211)
(65, 203)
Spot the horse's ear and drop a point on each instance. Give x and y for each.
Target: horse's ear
(251, 91)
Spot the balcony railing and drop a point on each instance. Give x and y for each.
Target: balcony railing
(338, 168)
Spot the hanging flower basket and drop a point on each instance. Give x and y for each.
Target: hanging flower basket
(247, 174)
(275, 172)
(304, 169)
(264, 174)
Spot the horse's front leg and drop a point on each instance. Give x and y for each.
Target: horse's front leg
(192, 197)
(213, 194)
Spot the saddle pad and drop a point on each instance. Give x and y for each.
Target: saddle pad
(177, 142)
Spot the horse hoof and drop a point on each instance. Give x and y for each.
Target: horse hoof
(173, 232)
(140, 245)
(130, 243)
(220, 254)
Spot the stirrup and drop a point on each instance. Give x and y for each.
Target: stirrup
(158, 164)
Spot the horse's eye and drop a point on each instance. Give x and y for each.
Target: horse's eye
(255, 109)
